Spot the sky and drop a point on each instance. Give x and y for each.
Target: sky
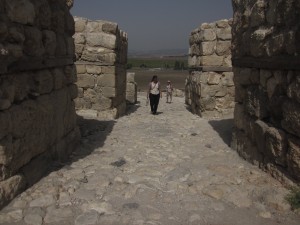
(155, 24)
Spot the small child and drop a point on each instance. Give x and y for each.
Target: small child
(169, 91)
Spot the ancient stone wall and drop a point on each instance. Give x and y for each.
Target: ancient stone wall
(209, 87)
(101, 53)
(37, 76)
(131, 89)
(266, 64)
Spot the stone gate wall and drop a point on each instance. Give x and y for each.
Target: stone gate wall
(37, 76)
(101, 54)
(266, 62)
(131, 89)
(209, 87)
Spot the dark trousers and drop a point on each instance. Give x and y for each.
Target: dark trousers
(154, 100)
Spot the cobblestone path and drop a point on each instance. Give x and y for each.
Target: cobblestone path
(173, 168)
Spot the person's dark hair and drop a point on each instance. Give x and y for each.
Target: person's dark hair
(153, 78)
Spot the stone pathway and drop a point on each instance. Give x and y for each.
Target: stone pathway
(170, 169)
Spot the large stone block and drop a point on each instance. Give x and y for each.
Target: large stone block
(208, 35)
(43, 82)
(101, 40)
(224, 34)
(20, 11)
(256, 102)
(93, 69)
(276, 145)
(293, 157)
(212, 60)
(109, 92)
(213, 78)
(223, 48)
(80, 24)
(86, 81)
(106, 80)
(207, 48)
(291, 117)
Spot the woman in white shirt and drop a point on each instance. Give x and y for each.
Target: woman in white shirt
(153, 94)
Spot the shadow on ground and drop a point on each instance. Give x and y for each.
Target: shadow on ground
(131, 108)
(223, 128)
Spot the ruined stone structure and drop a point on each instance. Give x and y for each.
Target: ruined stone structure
(266, 59)
(209, 87)
(37, 76)
(131, 89)
(101, 54)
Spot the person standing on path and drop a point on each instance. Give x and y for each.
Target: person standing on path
(169, 91)
(154, 94)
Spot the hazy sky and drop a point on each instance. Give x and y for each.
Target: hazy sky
(155, 24)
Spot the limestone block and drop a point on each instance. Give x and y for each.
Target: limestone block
(43, 82)
(239, 116)
(260, 129)
(4, 104)
(276, 145)
(213, 78)
(80, 24)
(83, 103)
(102, 105)
(109, 69)
(212, 60)
(20, 82)
(264, 76)
(101, 40)
(78, 50)
(224, 34)
(86, 81)
(10, 188)
(49, 41)
(58, 78)
(293, 157)
(256, 102)
(272, 86)
(21, 11)
(222, 24)
(208, 35)
(109, 27)
(70, 74)
(130, 77)
(106, 80)
(227, 79)
(208, 103)
(70, 46)
(80, 92)
(242, 76)
(80, 68)
(240, 93)
(293, 89)
(291, 117)
(33, 45)
(109, 92)
(61, 45)
(98, 56)
(223, 47)
(94, 26)
(227, 62)
(257, 16)
(194, 61)
(207, 48)
(93, 69)
(194, 50)
(79, 38)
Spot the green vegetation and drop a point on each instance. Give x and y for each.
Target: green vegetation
(294, 197)
(164, 63)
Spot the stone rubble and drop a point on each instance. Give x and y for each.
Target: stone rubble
(170, 169)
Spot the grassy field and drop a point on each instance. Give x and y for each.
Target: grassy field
(157, 62)
(143, 77)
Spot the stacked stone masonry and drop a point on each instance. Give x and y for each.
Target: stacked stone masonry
(37, 76)
(101, 54)
(131, 89)
(209, 87)
(266, 53)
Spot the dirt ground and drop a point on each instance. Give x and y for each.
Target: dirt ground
(143, 77)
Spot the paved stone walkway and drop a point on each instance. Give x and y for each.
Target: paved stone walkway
(170, 169)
